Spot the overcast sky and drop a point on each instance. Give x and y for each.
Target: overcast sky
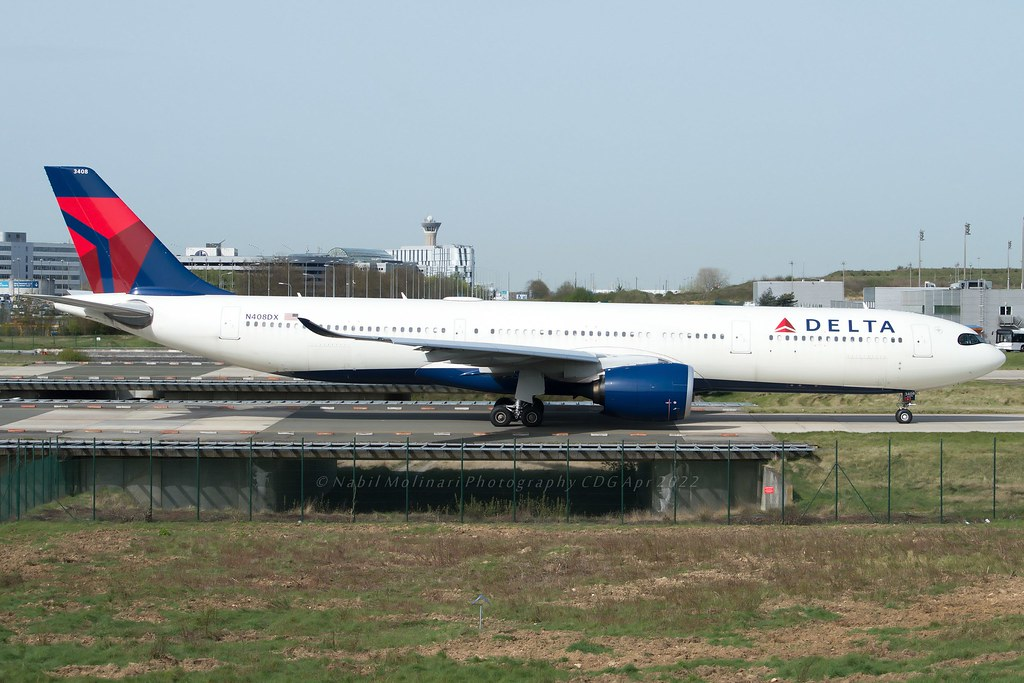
(615, 141)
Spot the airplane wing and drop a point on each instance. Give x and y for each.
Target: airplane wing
(132, 313)
(469, 353)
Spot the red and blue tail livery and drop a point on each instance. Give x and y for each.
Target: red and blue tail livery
(118, 252)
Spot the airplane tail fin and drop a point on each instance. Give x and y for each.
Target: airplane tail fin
(118, 252)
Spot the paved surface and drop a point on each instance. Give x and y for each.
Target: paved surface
(429, 422)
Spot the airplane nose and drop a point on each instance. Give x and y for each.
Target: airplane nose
(994, 358)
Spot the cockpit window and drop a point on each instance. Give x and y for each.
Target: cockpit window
(969, 339)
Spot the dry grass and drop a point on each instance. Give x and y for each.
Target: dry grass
(392, 600)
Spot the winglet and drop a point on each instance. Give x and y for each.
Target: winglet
(118, 252)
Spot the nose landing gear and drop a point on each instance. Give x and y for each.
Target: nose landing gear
(903, 415)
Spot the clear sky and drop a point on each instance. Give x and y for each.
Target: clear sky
(630, 142)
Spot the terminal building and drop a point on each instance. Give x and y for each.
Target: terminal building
(38, 267)
(973, 303)
(447, 260)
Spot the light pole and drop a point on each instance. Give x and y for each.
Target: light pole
(288, 285)
(920, 239)
(967, 231)
(1009, 246)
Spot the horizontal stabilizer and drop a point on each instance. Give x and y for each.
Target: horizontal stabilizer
(131, 313)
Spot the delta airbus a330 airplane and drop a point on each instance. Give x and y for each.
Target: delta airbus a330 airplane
(639, 361)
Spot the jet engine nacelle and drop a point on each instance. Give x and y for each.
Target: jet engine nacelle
(657, 391)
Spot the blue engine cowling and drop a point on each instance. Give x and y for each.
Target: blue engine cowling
(658, 391)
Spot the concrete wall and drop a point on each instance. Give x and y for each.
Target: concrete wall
(224, 483)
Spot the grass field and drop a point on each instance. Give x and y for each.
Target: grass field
(276, 601)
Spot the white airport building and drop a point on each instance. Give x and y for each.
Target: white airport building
(808, 293)
(973, 303)
(446, 260)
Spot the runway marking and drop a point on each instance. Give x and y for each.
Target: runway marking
(326, 407)
(94, 406)
(132, 431)
(461, 407)
(325, 433)
(729, 434)
(93, 431)
(394, 407)
(28, 405)
(286, 433)
(442, 433)
(358, 407)
(636, 434)
(560, 434)
(403, 433)
(481, 433)
(54, 431)
(599, 433)
(364, 433)
(169, 431)
(15, 431)
(248, 431)
(426, 407)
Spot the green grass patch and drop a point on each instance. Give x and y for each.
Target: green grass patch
(588, 647)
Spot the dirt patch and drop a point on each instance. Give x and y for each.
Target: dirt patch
(993, 597)
(113, 671)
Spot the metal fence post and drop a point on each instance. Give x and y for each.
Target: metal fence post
(566, 481)
(94, 478)
(941, 516)
(199, 490)
(32, 473)
(994, 478)
(622, 483)
(835, 476)
(302, 479)
(728, 484)
(462, 482)
(675, 481)
(353, 479)
(252, 474)
(17, 483)
(515, 480)
(9, 479)
(783, 482)
(406, 479)
(888, 487)
(151, 479)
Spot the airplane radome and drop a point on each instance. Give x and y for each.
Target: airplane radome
(639, 361)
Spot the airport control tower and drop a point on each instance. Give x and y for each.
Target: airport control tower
(430, 228)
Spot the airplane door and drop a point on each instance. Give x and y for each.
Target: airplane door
(460, 329)
(922, 341)
(229, 322)
(741, 336)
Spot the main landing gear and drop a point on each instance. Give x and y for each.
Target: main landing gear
(508, 410)
(903, 415)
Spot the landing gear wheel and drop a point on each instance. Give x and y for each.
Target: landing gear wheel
(539, 405)
(501, 416)
(504, 401)
(532, 417)
(904, 416)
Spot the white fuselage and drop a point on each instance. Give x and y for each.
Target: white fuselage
(743, 348)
